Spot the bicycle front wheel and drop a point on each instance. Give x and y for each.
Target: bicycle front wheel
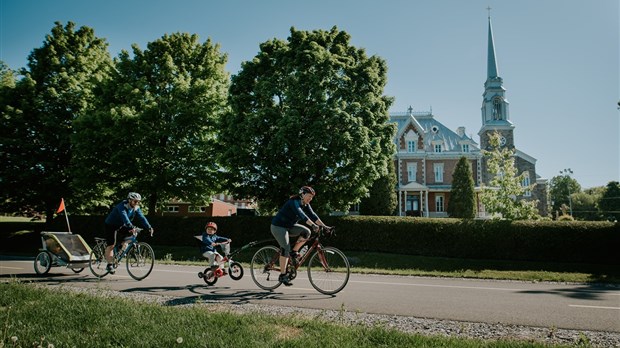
(97, 262)
(265, 267)
(328, 270)
(140, 260)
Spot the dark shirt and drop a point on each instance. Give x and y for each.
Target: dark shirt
(208, 240)
(123, 214)
(293, 211)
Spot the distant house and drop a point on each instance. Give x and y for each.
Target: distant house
(221, 205)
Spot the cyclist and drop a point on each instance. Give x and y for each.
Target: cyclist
(285, 224)
(209, 241)
(118, 224)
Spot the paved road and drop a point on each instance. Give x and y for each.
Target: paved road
(579, 307)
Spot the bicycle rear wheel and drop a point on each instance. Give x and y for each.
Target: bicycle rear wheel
(328, 270)
(140, 260)
(97, 262)
(265, 267)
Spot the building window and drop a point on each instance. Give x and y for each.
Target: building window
(497, 109)
(437, 147)
(526, 184)
(410, 145)
(173, 208)
(439, 203)
(195, 209)
(412, 168)
(438, 169)
(465, 147)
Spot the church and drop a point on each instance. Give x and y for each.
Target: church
(427, 152)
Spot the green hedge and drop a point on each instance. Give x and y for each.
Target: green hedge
(565, 241)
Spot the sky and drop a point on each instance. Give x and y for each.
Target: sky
(559, 59)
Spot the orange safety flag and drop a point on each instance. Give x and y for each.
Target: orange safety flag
(62, 206)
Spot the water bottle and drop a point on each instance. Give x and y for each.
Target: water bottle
(303, 251)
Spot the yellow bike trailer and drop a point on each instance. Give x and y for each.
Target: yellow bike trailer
(62, 249)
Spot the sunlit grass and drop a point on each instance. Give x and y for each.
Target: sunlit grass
(32, 317)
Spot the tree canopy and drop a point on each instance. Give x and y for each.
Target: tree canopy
(308, 111)
(57, 88)
(155, 131)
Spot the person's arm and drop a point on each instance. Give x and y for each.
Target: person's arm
(299, 210)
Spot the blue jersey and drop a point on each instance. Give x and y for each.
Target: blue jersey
(123, 215)
(293, 211)
(208, 240)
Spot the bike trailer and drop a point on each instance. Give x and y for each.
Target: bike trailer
(67, 246)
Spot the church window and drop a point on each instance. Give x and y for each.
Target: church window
(497, 109)
(525, 183)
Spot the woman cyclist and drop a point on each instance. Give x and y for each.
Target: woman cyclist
(285, 225)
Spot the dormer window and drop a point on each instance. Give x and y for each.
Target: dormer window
(437, 148)
(465, 147)
(410, 145)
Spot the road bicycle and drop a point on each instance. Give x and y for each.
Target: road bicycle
(233, 268)
(328, 267)
(139, 256)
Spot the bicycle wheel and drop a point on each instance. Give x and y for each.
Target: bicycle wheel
(97, 262)
(235, 271)
(209, 276)
(140, 260)
(265, 268)
(42, 263)
(328, 270)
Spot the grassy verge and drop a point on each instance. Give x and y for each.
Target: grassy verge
(380, 263)
(32, 317)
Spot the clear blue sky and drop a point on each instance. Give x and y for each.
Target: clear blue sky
(559, 58)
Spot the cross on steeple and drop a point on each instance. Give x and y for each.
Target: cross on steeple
(489, 9)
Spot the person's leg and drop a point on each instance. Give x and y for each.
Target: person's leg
(303, 232)
(110, 241)
(282, 237)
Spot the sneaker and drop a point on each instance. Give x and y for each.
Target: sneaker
(110, 268)
(283, 278)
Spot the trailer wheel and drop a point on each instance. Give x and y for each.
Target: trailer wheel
(42, 263)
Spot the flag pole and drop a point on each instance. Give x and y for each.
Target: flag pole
(67, 218)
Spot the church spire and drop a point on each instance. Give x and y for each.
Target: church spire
(491, 61)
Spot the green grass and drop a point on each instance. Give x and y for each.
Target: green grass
(381, 263)
(31, 317)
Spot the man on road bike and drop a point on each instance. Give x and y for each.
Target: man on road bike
(284, 225)
(118, 224)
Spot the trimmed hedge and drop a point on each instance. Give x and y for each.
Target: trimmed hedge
(557, 241)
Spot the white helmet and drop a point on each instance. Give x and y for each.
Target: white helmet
(134, 196)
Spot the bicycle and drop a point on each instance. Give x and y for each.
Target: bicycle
(139, 257)
(328, 267)
(235, 270)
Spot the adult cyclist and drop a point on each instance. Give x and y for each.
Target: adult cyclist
(285, 225)
(119, 224)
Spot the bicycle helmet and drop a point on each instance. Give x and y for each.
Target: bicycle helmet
(134, 196)
(211, 224)
(306, 189)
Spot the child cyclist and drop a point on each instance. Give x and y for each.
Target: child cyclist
(209, 241)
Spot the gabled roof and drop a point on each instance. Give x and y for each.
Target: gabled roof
(431, 131)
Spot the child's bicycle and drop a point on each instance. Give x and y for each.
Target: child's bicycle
(328, 267)
(227, 266)
(139, 257)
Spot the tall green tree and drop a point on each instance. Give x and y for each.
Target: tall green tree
(381, 198)
(462, 202)
(56, 89)
(586, 204)
(156, 129)
(503, 196)
(308, 111)
(561, 187)
(610, 202)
